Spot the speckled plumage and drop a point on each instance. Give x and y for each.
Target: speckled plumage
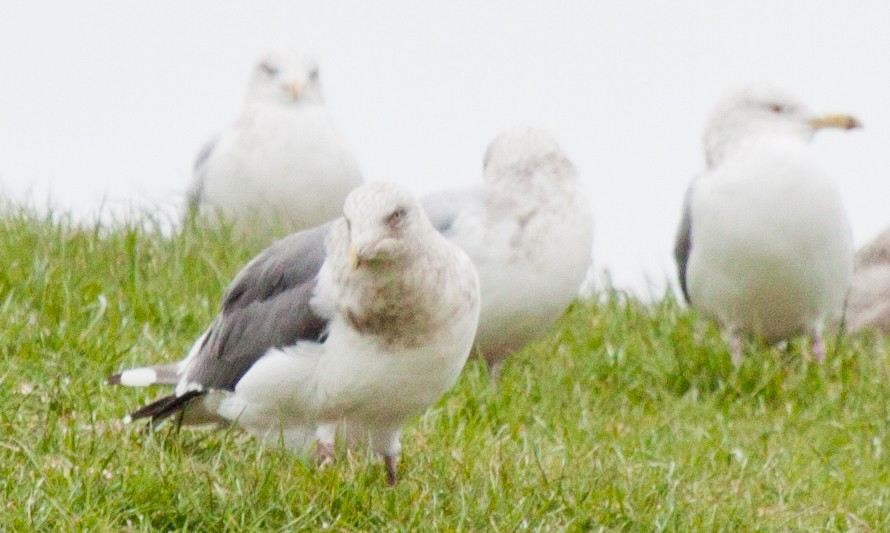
(528, 230)
(399, 305)
(868, 305)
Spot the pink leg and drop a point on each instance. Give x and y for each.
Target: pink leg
(494, 372)
(818, 346)
(324, 453)
(735, 348)
(390, 462)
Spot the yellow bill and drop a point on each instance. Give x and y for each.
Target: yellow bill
(844, 122)
(295, 89)
(353, 259)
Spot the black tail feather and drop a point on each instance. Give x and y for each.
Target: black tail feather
(165, 407)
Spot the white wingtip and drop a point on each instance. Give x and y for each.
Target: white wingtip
(138, 377)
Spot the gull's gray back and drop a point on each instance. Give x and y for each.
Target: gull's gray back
(265, 306)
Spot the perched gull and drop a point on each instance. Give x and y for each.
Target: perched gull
(868, 305)
(528, 230)
(764, 245)
(282, 162)
(377, 336)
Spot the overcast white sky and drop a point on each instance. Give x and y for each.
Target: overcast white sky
(110, 101)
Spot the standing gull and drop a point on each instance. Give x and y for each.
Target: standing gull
(868, 305)
(282, 162)
(377, 336)
(528, 230)
(764, 245)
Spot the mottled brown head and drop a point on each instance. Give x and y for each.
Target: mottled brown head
(383, 222)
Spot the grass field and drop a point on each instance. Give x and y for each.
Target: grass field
(628, 417)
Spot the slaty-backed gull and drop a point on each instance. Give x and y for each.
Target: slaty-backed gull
(357, 338)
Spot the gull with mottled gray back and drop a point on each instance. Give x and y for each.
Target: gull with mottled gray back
(528, 229)
(353, 338)
(868, 306)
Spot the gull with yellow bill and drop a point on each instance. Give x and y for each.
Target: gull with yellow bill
(764, 245)
(282, 163)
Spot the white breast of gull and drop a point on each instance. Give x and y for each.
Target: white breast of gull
(282, 163)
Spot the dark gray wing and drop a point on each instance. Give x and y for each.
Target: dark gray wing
(443, 207)
(195, 193)
(266, 306)
(684, 240)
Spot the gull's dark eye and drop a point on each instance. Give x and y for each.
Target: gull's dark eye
(396, 216)
(269, 69)
(776, 108)
(348, 224)
(313, 76)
